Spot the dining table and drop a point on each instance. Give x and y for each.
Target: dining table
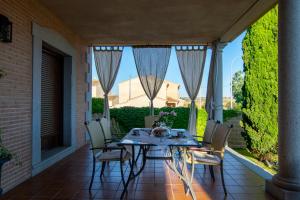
(175, 142)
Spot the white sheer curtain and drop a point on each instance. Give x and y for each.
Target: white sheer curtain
(209, 103)
(152, 63)
(107, 60)
(191, 63)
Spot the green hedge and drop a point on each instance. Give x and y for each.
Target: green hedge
(130, 117)
(201, 121)
(97, 105)
(228, 114)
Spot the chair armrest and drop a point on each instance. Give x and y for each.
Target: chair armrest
(211, 150)
(107, 141)
(100, 148)
(108, 148)
(115, 148)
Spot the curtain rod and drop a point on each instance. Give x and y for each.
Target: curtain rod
(108, 48)
(190, 48)
(208, 44)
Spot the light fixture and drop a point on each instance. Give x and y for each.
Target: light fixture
(5, 29)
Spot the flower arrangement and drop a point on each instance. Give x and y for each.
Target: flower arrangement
(167, 118)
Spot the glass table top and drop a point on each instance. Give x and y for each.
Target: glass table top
(143, 136)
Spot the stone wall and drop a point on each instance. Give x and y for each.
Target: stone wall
(235, 139)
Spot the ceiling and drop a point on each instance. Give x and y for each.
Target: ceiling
(154, 22)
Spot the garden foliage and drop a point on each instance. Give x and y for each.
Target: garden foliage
(260, 91)
(237, 85)
(132, 117)
(97, 105)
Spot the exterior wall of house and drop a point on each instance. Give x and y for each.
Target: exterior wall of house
(131, 93)
(142, 101)
(97, 90)
(172, 90)
(16, 86)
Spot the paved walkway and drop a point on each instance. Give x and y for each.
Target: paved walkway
(69, 179)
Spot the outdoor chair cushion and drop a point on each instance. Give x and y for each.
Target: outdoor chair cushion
(204, 148)
(205, 158)
(112, 155)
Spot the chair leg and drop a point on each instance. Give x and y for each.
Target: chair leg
(139, 153)
(93, 174)
(222, 176)
(122, 173)
(192, 174)
(102, 168)
(211, 170)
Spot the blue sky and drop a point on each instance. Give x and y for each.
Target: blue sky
(232, 56)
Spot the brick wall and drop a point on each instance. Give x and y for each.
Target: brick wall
(16, 86)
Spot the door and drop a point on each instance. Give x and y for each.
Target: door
(51, 100)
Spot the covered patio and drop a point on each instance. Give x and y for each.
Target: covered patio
(73, 28)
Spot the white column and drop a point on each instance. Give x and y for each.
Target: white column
(88, 80)
(286, 184)
(218, 86)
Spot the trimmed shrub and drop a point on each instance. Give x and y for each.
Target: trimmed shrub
(131, 117)
(228, 114)
(97, 105)
(201, 121)
(260, 91)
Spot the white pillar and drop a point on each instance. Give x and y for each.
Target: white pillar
(88, 80)
(218, 86)
(286, 184)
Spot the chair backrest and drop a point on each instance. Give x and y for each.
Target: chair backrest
(115, 127)
(106, 128)
(209, 130)
(220, 137)
(149, 120)
(96, 134)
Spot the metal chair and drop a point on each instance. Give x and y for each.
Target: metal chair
(208, 132)
(213, 156)
(100, 151)
(110, 140)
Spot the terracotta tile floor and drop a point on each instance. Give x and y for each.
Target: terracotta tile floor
(69, 179)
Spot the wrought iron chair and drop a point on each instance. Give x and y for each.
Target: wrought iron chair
(206, 139)
(214, 155)
(110, 140)
(100, 151)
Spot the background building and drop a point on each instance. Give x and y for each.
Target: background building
(131, 93)
(97, 91)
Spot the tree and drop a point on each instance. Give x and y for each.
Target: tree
(260, 91)
(237, 84)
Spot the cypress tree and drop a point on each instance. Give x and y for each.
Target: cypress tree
(260, 90)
